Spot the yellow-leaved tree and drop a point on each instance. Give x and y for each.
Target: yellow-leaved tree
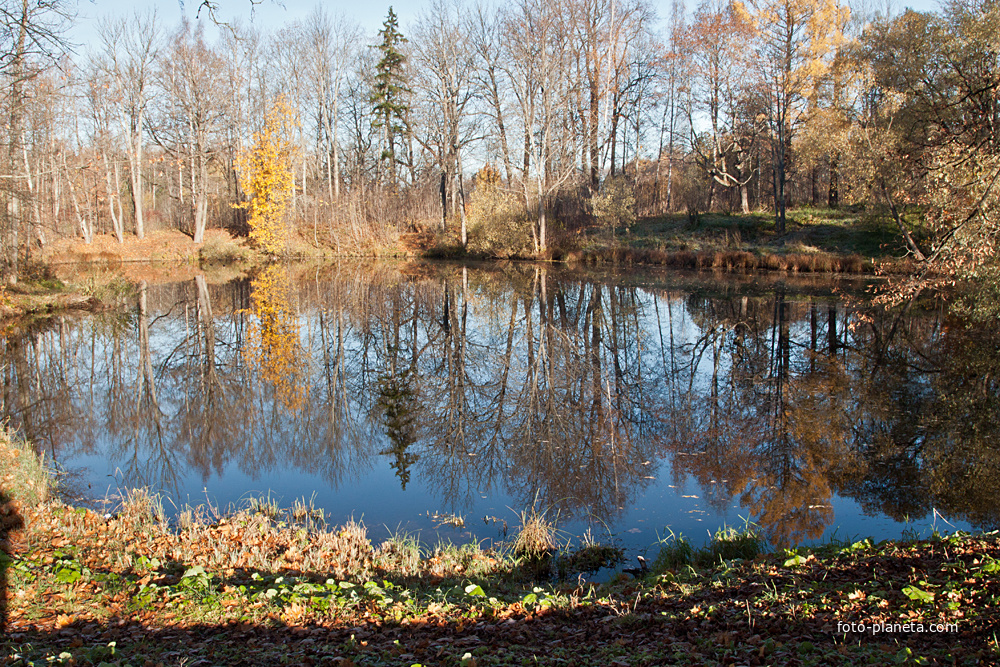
(265, 173)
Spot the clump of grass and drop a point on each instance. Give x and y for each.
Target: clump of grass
(188, 518)
(685, 259)
(850, 264)
(591, 558)
(266, 506)
(24, 479)
(466, 560)
(447, 519)
(729, 543)
(675, 552)
(400, 553)
(306, 513)
(347, 548)
(771, 262)
(536, 536)
(141, 508)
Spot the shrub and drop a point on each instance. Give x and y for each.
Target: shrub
(498, 225)
(614, 205)
(220, 248)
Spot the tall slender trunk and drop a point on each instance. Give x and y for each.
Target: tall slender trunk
(201, 198)
(39, 232)
(461, 195)
(86, 230)
(114, 197)
(336, 148)
(135, 171)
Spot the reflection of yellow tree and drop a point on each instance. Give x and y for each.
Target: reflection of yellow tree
(273, 349)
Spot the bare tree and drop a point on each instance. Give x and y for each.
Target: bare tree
(539, 50)
(332, 45)
(128, 54)
(190, 118)
(444, 60)
(721, 81)
(485, 29)
(105, 140)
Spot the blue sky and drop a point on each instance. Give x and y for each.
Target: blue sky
(269, 14)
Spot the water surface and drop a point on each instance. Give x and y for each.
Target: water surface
(633, 403)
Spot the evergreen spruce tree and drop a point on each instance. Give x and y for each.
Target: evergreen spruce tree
(390, 91)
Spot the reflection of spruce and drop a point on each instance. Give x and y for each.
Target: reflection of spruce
(396, 400)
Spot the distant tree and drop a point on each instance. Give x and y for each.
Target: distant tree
(331, 48)
(720, 81)
(444, 60)
(796, 41)
(128, 52)
(190, 121)
(538, 44)
(485, 29)
(390, 92)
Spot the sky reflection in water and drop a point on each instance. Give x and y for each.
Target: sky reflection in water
(632, 404)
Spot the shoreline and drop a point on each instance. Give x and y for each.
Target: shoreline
(84, 588)
(40, 293)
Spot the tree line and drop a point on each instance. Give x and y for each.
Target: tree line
(501, 127)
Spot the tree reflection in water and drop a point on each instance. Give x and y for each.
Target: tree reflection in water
(559, 387)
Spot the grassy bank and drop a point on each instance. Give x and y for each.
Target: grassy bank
(816, 241)
(261, 586)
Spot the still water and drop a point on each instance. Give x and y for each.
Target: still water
(632, 403)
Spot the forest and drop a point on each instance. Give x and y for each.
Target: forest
(506, 129)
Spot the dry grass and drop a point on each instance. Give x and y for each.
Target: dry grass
(536, 535)
(24, 479)
(255, 538)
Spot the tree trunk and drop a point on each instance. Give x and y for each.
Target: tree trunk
(201, 200)
(833, 194)
(135, 171)
(461, 203)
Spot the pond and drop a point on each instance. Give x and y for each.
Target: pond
(628, 403)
